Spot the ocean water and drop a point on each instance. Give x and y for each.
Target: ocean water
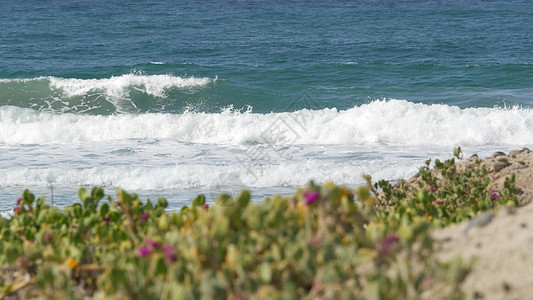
(176, 98)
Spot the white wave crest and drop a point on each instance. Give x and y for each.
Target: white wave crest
(392, 122)
(116, 87)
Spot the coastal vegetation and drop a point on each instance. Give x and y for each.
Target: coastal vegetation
(324, 241)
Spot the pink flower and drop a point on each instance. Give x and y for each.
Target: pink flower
(495, 196)
(205, 206)
(106, 219)
(144, 251)
(48, 237)
(432, 189)
(311, 197)
(152, 244)
(388, 243)
(74, 226)
(17, 210)
(19, 201)
(23, 261)
(144, 217)
(170, 254)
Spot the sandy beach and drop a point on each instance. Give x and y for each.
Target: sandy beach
(501, 244)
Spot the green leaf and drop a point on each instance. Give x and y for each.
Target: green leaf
(161, 202)
(28, 197)
(104, 209)
(83, 194)
(97, 194)
(160, 267)
(265, 271)
(13, 252)
(199, 200)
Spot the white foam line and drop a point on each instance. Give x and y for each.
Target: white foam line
(394, 122)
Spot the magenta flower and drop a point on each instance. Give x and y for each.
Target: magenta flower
(144, 251)
(311, 197)
(205, 206)
(22, 261)
(388, 243)
(19, 201)
(152, 244)
(74, 226)
(48, 237)
(17, 210)
(495, 196)
(170, 254)
(106, 219)
(144, 217)
(432, 189)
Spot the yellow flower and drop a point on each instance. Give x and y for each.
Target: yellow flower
(345, 240)
(71, 263)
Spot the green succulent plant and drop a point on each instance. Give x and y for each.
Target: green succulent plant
(325, 241)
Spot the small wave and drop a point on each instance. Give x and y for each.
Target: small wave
(187, 176)
(386, 122)
(117, 87)
(106, 95)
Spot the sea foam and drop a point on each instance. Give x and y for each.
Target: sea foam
(117, 87)
(385, 122)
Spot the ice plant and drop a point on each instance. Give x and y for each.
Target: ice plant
(106, 219)
(152, 244)
(17, 210)
(48, 237)
(22, 261)
(311, 197)
(495, 196)
(19, 201)
(170, 254)
(144, 217)
(205, 206)
(388, 243)
(432, 189)
(144, 251)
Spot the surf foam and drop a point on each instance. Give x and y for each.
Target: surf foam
(117, 86)
(392, 122)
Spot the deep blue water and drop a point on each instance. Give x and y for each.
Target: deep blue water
(265, 53)
(166, 96)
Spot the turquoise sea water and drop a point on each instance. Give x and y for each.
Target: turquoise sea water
(176, 98)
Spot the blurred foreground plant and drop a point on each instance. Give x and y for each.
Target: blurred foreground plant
(318, 243)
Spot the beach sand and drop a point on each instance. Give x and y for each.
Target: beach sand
(501, 244)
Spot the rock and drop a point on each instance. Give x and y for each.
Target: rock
(498, 153)
(514, 152)
(526, 150)
(507, 287)
(474, 156)
(502, 159)
(498, 166)
(479, 221)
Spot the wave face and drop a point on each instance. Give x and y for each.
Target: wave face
(129, 93)
(385, 122)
